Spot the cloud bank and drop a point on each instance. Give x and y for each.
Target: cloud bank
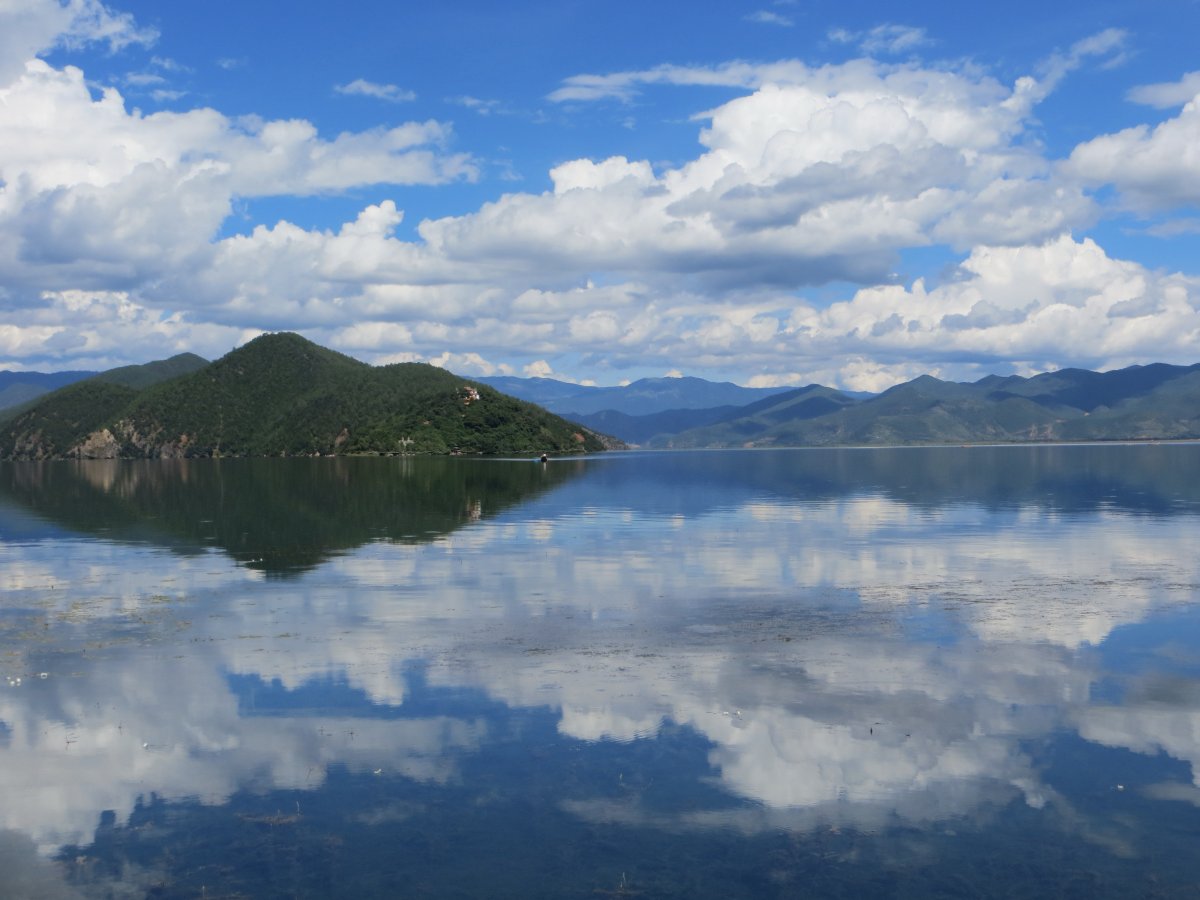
(810, 177)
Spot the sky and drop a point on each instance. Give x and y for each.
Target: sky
(770, 192)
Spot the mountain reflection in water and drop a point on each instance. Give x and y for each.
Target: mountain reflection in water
(955, 671)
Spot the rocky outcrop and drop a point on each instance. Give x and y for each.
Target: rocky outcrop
(97, 445)
(30, 446)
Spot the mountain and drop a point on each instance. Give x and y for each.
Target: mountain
(17, 388)
(642, 429)
(26, 391)
(737, 423)
(152, 373)
(548, 393)
(282, 395)
(639, 398)
(1156, 402)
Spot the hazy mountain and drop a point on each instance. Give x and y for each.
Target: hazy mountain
(22, 387)
(642, 429)
(639, 398)
(1138, 403)
(282, 395)
(739, 422)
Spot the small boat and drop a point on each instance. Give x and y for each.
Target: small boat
(544, 458)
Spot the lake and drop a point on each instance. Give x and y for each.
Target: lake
(919, 672)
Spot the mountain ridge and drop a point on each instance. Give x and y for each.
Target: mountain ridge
(1154, 402)
(283, 395)
(646, 396)
(303, 399)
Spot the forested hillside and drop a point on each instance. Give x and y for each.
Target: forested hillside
(282, 395)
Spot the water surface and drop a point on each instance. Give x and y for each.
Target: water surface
(914, 672)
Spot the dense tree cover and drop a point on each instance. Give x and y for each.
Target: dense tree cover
(25, 390)
(152, 373)
(51, 429)
(282, 395)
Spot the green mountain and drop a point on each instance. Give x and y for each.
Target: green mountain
(152, 373)
(51, 422)
(20, 388)
(282, 395)
(1156, 402)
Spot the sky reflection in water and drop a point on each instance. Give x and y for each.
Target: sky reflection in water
(961, 671)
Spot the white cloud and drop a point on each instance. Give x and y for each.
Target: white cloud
(821, 176)
(797, 183)
(1107, 46)
(1064, 299)
(813, 175)
(31, 27)
(1153, 168)
(1174, 228)
(625, 85)
(99, 330)
(363, 88)
(1168, 94)
(99, 198)
(766, 17)
(887, 39)
(479, 105)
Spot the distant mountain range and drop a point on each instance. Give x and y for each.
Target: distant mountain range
(18, 388)
(1155, 402)
(281, 395)
(639, 398)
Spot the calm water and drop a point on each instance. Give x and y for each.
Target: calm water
(919, 672)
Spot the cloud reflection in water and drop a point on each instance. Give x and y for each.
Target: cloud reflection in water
(848, 658)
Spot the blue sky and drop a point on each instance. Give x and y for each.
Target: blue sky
(769, 193)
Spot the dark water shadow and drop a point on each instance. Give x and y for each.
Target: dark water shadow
(281, 516)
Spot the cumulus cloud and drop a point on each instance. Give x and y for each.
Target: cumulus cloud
(811, 175)
(1021, 304)
(98, 197)
(1153, 168)
(103, 329)
(821, 177)
(29, 28)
